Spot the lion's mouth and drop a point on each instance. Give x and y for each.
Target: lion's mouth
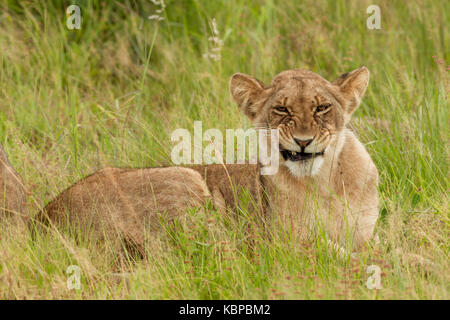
(299, 155)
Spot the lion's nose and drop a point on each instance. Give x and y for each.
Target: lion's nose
(303, 143)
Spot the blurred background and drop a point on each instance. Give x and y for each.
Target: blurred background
(112, 92)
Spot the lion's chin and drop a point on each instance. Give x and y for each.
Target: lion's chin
(306, 168)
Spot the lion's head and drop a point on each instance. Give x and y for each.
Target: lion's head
(309, 112)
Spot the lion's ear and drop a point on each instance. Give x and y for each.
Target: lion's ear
(246, 91)
(353, 85)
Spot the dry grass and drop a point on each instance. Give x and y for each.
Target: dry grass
(72, 102)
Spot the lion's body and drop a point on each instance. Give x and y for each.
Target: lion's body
(120, 202)
(341, 197)
(337, 189)
(13, 196)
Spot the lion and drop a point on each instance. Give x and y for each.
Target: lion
(326, 177)
(13, 194)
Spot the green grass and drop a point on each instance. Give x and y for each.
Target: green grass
(110, 94)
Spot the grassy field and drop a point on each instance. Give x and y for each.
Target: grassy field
(111, 93)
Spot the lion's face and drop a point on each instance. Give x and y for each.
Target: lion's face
(308, 111)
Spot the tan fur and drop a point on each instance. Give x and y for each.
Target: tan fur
(121, 203)
(337, 191)
(341, 193)
(227, 182)
(12, 196)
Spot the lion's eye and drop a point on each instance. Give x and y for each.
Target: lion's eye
(281, 109)
(323, 107)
